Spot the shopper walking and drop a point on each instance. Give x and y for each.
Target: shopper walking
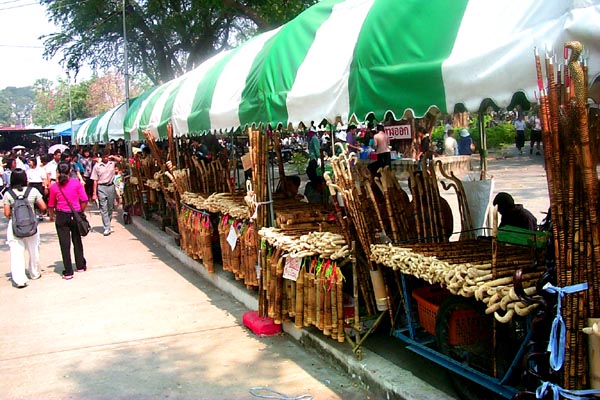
(103, 176)
(19, 245)
(62, 193)
(520, 126)
(88, 164)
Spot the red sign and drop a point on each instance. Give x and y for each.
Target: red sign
(399, 132)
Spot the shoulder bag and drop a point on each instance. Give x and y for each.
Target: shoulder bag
(83, 225)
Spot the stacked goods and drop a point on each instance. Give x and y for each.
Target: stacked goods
(196, 232)
(164, 177)
(393, 215)
(470, 268)
(314, 298)
(432, 215)
(249, 256)
(291, 212)
(296, 244)
(213, 177)
(570, 152)
(231, 204)
(231, 256)
(348, 184)
(258, 201)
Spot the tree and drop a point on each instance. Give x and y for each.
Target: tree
(165, 37)
(16, 105)
(108, 91)
(52, 102)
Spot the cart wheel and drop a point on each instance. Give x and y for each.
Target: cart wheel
(358, 354)
(468, 340)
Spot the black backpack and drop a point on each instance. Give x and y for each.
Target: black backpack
(24, 222)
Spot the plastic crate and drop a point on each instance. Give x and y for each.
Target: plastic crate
(428, 300)
(465, 326)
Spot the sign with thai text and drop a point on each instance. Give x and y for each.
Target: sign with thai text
(399, 132)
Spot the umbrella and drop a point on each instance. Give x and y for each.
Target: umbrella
(358, 57)
(59, 146)
(19, 147)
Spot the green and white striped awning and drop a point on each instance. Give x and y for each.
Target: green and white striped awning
(355, 57)
(103, 128)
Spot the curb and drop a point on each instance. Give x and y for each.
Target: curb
(383, 378)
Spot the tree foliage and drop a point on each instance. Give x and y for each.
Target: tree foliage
(165, 38)
(52, 102)
(16, 105)
(107, 92)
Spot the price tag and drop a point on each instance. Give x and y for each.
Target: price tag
(246, 161)
(292, 268)
(232, 237)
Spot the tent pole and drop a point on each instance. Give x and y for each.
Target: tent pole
(483, 149)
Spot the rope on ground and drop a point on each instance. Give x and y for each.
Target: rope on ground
(273, 394)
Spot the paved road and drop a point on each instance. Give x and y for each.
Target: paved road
(139, 325)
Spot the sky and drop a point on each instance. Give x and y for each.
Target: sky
(22, 22)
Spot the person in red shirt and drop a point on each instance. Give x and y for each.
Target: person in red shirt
(64, 191)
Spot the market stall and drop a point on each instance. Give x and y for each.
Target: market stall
(444, 61)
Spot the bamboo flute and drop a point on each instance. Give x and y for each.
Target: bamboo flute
(278, 290)
(340, 308)
(333, 304)
(318, 322)
(327, 318)
(306, 293)
(299, 303)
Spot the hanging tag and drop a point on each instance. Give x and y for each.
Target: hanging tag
(232, 238)
(292, 268)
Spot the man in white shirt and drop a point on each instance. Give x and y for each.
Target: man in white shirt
(536, 134)
(450, 144)
(520, 126)
(51, 167)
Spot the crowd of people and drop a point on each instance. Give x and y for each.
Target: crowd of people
(57, 186)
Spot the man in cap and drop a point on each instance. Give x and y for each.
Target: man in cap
(103, 175)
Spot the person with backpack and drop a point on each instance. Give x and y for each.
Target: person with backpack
(22, 234)
(67, 191)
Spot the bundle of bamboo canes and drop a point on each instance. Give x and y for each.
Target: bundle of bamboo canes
(249, 256)
(315, 298)
(231, 257)
(570, 153)
(196, 232)
(257, 199)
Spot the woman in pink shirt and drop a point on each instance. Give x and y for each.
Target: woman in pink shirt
(68, 190)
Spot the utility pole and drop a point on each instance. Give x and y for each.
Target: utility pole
(70, 108)
(128, 149)
(125, 60)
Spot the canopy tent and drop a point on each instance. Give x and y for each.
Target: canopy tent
(64, 128)
(355, 57)
(103, 128)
